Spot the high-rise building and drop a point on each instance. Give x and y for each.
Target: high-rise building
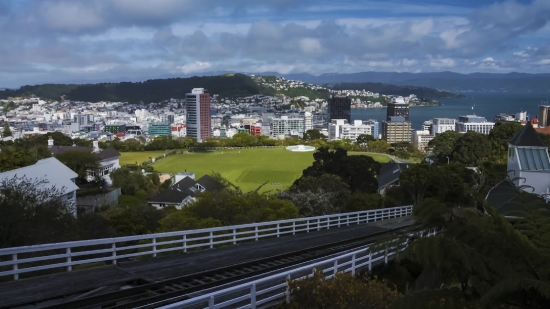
(544, 114)
(397, 108)
(396, 130)
(199, 124)
(339, 108)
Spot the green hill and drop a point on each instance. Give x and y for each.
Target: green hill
(154, 90)
(227, 85)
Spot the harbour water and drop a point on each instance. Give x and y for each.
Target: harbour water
(486, 104)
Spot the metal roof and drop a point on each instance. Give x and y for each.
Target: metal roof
(56, 174)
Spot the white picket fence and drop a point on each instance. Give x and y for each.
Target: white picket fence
(28, 259)
(272, 290)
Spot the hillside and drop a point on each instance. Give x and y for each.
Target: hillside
(226, 85)
(388, 89)
(155, 90)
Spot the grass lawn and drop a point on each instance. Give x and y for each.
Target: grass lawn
(247, 168)
(133, 157)
(376, 156)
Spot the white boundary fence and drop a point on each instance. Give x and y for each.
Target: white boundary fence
(272, 290)
(64, 256)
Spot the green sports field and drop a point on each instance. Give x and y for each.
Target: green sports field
(246, 168)
(139, 157)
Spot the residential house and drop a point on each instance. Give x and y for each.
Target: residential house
(183, 192)
(54, 174)
(109, 158)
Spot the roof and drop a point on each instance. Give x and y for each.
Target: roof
(389, 173)
(512, 202)
(103, 154)
(184, 188)
(176, 193)
(57, 174)
(543, 130)
(209, 183)
(526, 137)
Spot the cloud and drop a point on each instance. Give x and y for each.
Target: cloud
(133, 38)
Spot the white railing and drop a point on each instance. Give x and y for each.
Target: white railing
(20, 260)
(272, 290)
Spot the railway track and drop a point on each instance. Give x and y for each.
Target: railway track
(151, 295)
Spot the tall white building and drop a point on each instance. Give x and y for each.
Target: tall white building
(440, 125)
(474, 123)
(341, 129)
(308, 121)
(199, 125)
(286, 126)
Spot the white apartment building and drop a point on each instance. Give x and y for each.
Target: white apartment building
(421, 138)
(440, 125)
(284, 125)
(308, 121)
(341, 129)
(474, 123)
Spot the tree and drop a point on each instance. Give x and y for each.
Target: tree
(472, 149)
(137, 219)
(416, 180)
(443, 145)
(7, 130)
(363, 140)
(318, 196)
(12, 157)
(343, 291)
(500, 136)
(85, 164)
(359, 172)
(380, 146)
(311, 135)
(33, 212)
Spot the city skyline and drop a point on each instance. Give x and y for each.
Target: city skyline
(61, 41)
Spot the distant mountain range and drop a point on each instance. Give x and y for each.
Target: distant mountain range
(448, 81)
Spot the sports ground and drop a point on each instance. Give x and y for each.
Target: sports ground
(246, 168)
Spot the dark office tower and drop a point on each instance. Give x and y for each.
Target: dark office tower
(397, 108)
(339, 108)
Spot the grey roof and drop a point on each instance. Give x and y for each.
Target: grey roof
(57, 174)
(512, 202)
(389, 173)
(527, 136)
(184, 188)
(103, 154)
(209, 183)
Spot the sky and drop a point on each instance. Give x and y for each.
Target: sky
(52, 41)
